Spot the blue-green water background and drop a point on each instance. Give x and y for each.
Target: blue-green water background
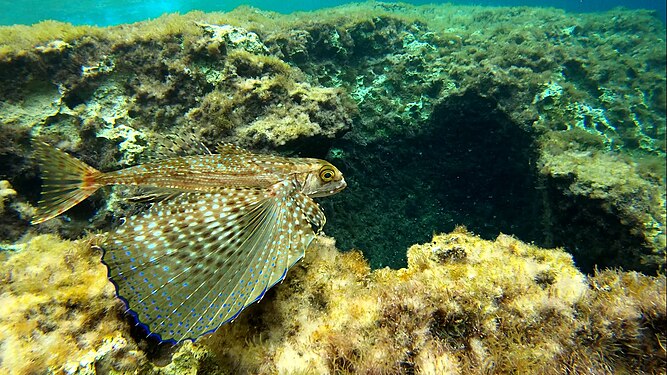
(111, 12)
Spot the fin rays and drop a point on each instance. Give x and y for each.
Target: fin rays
(195, 261)
(66, 181)
(251, 235)
(220, 278)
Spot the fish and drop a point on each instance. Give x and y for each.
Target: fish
(222, 229)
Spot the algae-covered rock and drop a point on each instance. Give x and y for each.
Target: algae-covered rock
(6, 191)
(13, 212)
(221, 76)
(614, 190)
(577, 79)
(438, 116)
(58, 311)
(463, 306)
(460, 88)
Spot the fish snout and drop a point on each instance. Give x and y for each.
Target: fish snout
(341, 185)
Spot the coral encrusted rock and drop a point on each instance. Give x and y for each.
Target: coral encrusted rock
(463, 306)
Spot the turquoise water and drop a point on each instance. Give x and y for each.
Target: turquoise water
(111, 12)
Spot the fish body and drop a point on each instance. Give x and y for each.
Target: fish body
(228, 227)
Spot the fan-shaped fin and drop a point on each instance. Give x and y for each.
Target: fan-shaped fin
(66, 181)
(193, 262)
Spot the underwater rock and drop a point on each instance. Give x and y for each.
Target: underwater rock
(375, 77)
(464, 305)
(6, 191)
(233, 37)
(587, 185)
(553, 132)
(58, 310)
(595, 81)
(13, 215)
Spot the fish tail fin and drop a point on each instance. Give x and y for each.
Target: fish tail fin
(66, 181)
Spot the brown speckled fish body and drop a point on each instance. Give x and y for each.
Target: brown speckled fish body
(230, 226)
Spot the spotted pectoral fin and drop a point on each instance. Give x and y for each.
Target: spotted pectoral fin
(223, 148)
(312, 210)
(195, 261)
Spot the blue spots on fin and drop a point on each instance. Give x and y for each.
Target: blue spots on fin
(192, 278)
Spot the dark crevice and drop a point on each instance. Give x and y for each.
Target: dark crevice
(592, 232)
(472, 167)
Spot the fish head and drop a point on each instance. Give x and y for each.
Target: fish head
(322, 179)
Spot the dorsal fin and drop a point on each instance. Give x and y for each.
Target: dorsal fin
(180, 144)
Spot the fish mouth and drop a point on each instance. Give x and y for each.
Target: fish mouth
(333, 190)
(340, 187)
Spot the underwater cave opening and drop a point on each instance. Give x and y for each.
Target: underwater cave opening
(471, 166)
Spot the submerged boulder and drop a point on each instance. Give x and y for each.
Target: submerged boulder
(463, 305)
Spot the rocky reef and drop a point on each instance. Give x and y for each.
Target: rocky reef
(59, 311)
(462, 306)
(439, 116)
(545, 126)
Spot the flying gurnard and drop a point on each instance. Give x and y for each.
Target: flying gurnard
(223, 229)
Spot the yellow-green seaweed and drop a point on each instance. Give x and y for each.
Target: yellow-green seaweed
(58, 311)
(463, 306)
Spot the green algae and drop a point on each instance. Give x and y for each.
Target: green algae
(463, 305)
(577, 102)
(379, 72)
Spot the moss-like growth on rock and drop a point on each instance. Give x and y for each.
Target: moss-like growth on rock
(162, 76)
(58, 310)
(267, 91)
(619, 191)
(581, 78)
(463, 306)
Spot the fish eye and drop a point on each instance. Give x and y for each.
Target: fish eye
(326, 174)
